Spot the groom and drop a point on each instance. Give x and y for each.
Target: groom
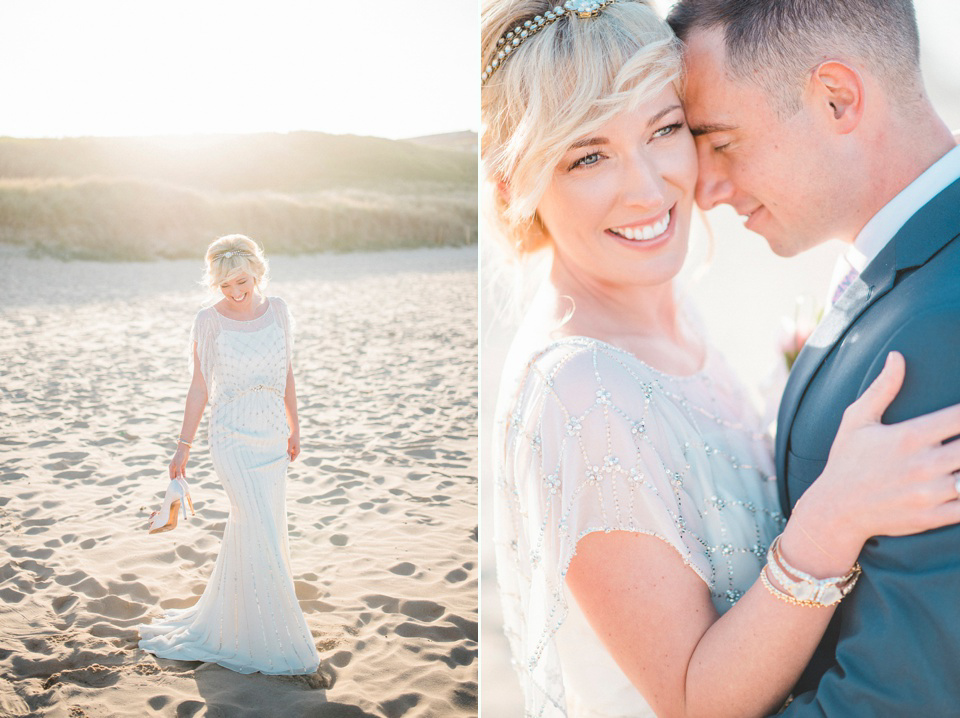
(812, 120)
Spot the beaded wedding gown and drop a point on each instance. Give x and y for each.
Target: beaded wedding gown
(248, 618)
(592, 439)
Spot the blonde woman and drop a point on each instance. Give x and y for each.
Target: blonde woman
(248, 618)
(636, 510)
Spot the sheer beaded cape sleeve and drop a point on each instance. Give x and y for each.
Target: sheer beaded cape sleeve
(286, 323)
(203, 335)
(594, 440)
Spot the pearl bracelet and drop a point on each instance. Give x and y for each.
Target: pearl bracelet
(804, 587)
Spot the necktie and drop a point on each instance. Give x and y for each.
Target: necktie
(844, 283)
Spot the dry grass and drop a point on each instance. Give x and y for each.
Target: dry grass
(102, 198)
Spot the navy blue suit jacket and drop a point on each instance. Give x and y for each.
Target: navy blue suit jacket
(893, 648)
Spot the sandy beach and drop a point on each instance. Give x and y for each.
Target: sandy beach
(382, 503)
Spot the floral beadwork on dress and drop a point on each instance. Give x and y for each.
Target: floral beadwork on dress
(593, 439)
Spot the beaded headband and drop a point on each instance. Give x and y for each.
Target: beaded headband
(233, 252)
(521, 33)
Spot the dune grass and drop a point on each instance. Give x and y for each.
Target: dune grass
(128, 199)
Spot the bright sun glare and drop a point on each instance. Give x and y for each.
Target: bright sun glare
(114, 67)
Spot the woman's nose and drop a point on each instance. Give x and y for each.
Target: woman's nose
(644, 184)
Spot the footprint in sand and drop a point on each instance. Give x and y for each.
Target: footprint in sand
(10, 595)
(95, 676)
(85, 474)
(70, 455)
(116, 608)
(189, 708)
(339, 539)
(341, 659)
(456, 576)
(440, 634)
(422, 610)
(65, 603)
(401, 705)
(387, 604)
(158, 702)
(91, 587)
(403, 569)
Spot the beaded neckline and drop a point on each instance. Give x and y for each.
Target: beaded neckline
(244, 321)
(698, 374)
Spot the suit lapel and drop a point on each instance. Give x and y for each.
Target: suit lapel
(923, 235)
(876, 280)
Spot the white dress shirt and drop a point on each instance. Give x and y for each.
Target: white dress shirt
(887, 222)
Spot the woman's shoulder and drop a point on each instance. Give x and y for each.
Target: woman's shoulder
(577, 371)
(205, 315)
(280, 306)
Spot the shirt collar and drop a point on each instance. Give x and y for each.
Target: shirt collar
(888, 221)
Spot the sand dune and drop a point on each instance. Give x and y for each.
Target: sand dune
(381, 505)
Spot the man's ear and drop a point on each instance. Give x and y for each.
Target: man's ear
(838, 91)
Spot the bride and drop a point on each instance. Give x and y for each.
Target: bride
(636, 514)
(248, 618)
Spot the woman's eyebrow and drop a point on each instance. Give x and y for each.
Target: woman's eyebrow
(659, 116)
(588, 141)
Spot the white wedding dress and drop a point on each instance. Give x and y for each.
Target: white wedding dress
(590, 438)
(248, 618)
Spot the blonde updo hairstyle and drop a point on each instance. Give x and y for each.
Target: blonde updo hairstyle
(232, 255)
(557, 87)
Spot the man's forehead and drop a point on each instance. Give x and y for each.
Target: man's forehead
(710, 94)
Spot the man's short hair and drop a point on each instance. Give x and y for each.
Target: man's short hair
(776, 43)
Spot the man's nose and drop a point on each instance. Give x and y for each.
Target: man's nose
(713, 182)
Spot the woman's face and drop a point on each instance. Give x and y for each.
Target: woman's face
(239, 290)
(618, 206)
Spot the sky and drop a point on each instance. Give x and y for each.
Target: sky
(145, 67)
(383, 68)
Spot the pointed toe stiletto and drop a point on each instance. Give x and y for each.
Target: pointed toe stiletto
(177, 497)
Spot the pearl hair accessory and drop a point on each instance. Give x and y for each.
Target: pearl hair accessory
(234, 252)
(510, 41)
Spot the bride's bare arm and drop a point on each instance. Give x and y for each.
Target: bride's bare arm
(655, 615)
(293, 418)
(192, 413)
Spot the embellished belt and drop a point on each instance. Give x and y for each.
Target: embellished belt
(250, 390)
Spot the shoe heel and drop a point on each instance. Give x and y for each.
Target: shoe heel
(175, 498)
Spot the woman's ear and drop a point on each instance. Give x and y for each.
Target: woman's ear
(838, 90)
(503, 191)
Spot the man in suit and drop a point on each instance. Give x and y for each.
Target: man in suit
(811, 119)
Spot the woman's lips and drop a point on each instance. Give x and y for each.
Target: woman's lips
(644, 232)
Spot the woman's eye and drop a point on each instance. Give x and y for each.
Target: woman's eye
(587, 160)
(668, 130)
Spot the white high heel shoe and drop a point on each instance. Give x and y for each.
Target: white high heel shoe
(177, 497)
